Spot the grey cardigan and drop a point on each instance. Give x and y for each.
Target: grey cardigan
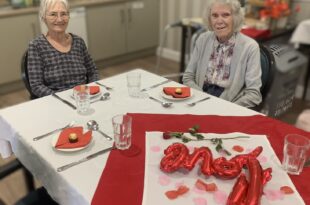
(245, 70)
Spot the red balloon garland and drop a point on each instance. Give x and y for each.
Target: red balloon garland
(177, 156)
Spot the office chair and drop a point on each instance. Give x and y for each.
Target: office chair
(24, 75)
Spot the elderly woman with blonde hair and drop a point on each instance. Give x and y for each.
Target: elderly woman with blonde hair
(225, 63)
(58, 60)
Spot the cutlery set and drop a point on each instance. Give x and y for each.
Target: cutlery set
(93, 125)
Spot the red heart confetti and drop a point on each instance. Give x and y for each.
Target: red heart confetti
(238, 148)
(286, 190)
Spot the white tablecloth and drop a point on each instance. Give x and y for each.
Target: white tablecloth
(75, 186)
(155, 179)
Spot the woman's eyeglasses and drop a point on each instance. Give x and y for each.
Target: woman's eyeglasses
(54, 15)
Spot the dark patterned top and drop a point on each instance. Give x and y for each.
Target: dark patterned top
(52, 71)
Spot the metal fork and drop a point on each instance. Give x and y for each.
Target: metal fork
(106, 87)
(194, 103)
(52, 132)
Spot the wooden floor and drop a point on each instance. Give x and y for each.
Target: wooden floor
(13, 187)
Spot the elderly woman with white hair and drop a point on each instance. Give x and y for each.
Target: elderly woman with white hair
(58, 60)
(225, 63)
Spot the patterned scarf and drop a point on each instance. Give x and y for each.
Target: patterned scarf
(218, 70)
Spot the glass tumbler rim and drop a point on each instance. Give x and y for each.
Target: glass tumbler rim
(305, 140)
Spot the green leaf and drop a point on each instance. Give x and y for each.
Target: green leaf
(214, 140)
(227, 152)
(196, 127)
(218, 147)
(199, 136)
(192, 131)
(177, 134)
(185, 140)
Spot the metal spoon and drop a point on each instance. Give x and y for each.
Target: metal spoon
(104, 97)
(164, 104)
(93, 125)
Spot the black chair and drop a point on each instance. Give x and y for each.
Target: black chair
(35, 196)
(14, 165)
(24, 75)
(268, 72)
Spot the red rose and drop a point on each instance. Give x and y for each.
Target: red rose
(166, 135)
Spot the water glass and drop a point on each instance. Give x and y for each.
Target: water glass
(134, 84)
(122, 131)
(295, 153)
(82, 99)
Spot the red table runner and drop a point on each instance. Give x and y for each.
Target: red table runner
(123, 177)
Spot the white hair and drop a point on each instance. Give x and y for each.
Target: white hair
(237, 13)
(46, 4)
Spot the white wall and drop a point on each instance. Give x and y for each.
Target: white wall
(172, 11)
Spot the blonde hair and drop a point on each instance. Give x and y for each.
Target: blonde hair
(237, 13)
(46, 4)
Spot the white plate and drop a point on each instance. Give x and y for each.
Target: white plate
(54, 141)
(170, 97)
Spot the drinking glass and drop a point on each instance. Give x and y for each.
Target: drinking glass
(122, 131)
(133, 84)
(295, 153)
(82, 99)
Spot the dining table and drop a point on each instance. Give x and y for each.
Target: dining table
(134, 176)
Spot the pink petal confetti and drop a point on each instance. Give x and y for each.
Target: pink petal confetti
(164, 180)
(155, 148)
(249, 150)
(222, 153)
(190, 149)
(273, 195)
(198, 191)
(262, 159)
(178, 184)
(220, 197)
(200, 201)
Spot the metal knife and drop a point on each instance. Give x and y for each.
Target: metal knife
(62, 168)
(156, 85)
(64, 101)
(106, 87)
